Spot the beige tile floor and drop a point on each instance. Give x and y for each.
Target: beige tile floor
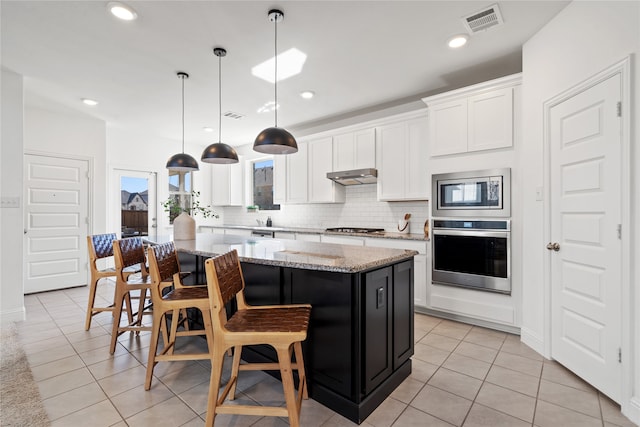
(462, 375)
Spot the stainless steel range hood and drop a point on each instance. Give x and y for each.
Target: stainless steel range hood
(354, 177)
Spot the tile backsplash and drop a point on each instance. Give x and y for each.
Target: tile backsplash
(361, 209)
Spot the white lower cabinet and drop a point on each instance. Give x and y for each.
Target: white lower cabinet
(420, 263)
(284, 235)
(342, 240)
(305, 237)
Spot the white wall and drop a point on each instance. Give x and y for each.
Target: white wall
(144, 152)
(11, 178)
(582, 40)
(73, 135)
(361, 209)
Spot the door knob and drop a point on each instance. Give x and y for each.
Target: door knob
(553, 246)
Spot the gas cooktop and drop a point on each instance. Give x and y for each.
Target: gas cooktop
(354, 230)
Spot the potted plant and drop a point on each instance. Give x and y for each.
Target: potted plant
(181, 212)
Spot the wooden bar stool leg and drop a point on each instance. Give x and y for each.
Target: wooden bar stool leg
(117, 313)
(217, 361)
(302, 376)
(235, 368)
(284, 359)
(141, 301)
(91, 302)
(153, 350)
(175, 317)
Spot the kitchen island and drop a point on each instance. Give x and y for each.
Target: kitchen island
(360, 338)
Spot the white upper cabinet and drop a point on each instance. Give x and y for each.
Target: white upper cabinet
(354, 150)
(320, 161)
(227, 184)
(474, 118)
(401, 156)
(297, 175)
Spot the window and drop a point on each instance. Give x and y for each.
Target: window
(179, 191)
(263, 185)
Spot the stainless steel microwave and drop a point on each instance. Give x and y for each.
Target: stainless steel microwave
(472, 194)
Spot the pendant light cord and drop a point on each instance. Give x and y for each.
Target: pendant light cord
(182, 78)
(275, 83)
(220, 98)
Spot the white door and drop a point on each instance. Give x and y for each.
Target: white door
(585, 147)
(56, 222)
(134, 203)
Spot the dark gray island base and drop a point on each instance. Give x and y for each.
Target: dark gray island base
(360, 337)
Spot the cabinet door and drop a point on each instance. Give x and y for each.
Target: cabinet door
(365, 149)
(490, 120)
(279, 179)
(402, 313)
(220, 185)
(344, 157)
(448, 127)
(378, 340)
(322, 189)
(391, 144)
(297, 175)
(416, 186)
(236, 184)
(420, 280)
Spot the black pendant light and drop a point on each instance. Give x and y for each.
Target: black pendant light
(181, 161)
(275, 140)
(219, 152)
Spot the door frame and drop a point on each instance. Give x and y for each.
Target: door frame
(112, 188)
(622, 67)
(90, 190)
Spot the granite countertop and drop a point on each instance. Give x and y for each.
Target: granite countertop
(379, 235)
(290, 253)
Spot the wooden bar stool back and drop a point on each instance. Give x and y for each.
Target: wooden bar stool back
(129, 253)
(284, 327)
(164, 268)
(100, 247)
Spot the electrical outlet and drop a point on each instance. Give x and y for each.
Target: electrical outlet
(10, 202)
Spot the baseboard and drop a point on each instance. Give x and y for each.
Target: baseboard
(469, 320)
(632, 410)
(15, 315)
(533, 340)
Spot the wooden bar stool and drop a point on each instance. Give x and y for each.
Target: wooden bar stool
(129, 253)
(100, 247)
(284, 327)
(164, 268)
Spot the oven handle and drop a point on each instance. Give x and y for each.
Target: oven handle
(473, 233)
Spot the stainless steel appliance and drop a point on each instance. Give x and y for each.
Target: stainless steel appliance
(472, 194)
(354, 177)
(263, 233)
(351, 230)
(472, 254)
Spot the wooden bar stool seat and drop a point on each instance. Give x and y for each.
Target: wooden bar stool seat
(129, 253)
(283, 327)
(164, 268)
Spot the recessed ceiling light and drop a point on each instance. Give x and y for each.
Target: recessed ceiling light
(307, 94)
(458, 41)
(122, 11)
(207, 129)
(290, 63)
(90, 102)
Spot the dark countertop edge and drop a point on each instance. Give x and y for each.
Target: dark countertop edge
(380, 235)
(408, 254)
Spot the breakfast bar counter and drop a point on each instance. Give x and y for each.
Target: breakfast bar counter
(360, 338)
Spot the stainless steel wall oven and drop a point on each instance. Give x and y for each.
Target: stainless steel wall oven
(472, 254)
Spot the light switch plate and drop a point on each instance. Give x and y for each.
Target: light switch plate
(539, 194)
(10, 202)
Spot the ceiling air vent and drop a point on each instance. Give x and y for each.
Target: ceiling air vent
(232, 115)
(484, 19)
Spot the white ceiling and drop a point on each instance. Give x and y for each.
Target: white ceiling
(362, 56)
